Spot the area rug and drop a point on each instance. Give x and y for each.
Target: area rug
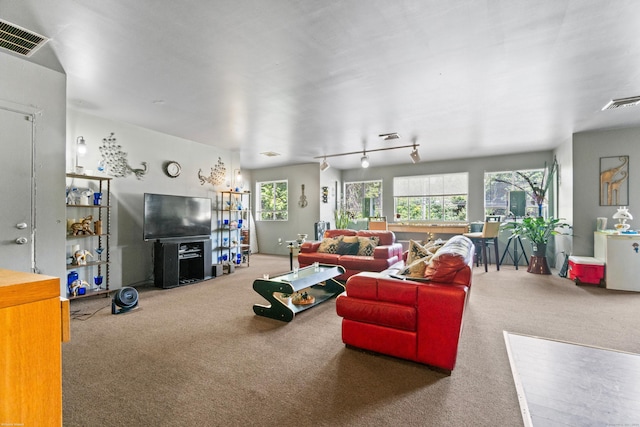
(566, 384)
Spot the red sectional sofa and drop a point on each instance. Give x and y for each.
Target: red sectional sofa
(415, 320)
(385, 254)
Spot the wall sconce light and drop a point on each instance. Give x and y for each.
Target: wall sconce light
(238, 178)
(81, 150)
(324, 165)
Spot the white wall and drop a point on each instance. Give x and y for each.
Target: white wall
(272, 235)
(588, 147)
(132, 258)
(39, 88)
(564, 198)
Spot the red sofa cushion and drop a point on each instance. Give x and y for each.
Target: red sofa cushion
(395, 316)
(339, 232)
(384, 237)
(366, 263)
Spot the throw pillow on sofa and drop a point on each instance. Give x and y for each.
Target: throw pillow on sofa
(367, 245)
(417, 268)
(416, 252)
(346, 248)
(329, 245)
(449, 259)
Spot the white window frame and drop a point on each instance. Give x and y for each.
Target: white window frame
(428, 192)
(276, 215)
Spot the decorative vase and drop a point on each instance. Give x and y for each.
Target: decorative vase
(538, 263)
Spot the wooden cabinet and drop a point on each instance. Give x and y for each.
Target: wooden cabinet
(92, 238)
(34, 320)
(232, 243)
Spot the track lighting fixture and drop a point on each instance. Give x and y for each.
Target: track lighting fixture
(364, 160)
(415, 157)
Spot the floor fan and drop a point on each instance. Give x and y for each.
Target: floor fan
(126, 299)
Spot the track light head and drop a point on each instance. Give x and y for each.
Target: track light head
(364, 161)
(415, 157)
(324, 165)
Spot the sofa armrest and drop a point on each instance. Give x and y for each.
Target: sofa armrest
(388, 251)
(309, 247)
(441, 310)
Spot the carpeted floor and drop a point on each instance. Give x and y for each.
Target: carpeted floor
(197, 355)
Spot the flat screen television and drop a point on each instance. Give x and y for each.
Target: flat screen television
(175, 217)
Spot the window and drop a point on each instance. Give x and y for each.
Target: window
(273, 202)
(498, 185)
(431, 197)
(363, 199)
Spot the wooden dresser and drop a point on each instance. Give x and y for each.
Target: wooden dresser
(34, 321)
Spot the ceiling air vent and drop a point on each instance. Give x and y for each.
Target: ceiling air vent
(19, 40)
(270, 154)
(622, 102)
(389, 136)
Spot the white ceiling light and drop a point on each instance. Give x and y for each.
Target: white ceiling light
(364, 161)
(324, 165)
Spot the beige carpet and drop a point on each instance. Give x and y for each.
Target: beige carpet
(197, 355)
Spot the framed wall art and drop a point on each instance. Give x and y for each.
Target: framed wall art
(614, 181)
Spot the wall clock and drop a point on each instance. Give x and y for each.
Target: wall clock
(173, 169)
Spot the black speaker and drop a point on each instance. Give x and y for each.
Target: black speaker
(126, 299)
(517, 203)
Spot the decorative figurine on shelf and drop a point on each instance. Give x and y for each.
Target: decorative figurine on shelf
(83, 226)
(78, 287)
(81, 256)
(622, 215)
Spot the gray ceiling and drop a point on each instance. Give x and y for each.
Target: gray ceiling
(307, 78)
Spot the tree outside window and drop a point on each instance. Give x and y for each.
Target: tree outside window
(273, 201)
(498, 185)
(363, 198)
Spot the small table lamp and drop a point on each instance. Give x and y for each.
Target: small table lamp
(622, 215)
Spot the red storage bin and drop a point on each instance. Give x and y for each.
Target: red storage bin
(584, 269)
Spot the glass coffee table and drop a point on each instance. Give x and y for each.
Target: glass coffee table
(308, 288)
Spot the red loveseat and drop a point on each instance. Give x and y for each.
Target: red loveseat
(385, 254)
(414, 320)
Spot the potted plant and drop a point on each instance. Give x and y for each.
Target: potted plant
(342, 217)
(538, 230)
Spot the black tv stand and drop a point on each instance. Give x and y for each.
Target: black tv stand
(181, 262)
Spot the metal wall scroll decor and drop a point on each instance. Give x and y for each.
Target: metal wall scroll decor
(218, 173)
(116, 159)
(614, 181)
